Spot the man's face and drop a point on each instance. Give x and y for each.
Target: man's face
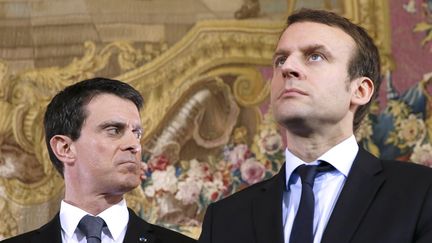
(108, 151)
(310, 85)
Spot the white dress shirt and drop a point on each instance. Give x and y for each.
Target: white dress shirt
(116, 218)
(327, 186)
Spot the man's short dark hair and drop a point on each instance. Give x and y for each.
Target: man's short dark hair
(365, 62)
(66, 112)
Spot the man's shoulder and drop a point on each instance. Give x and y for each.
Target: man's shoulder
(400, 170)
(251, 192)
(407, 169)
(49, 231)
(168, 235)
(137, 225)
(20, 238)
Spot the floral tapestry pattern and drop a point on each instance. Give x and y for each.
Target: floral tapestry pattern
(402, 130)
(179, 193)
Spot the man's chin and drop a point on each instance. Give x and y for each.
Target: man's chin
(126, 187)
(130, 181)
(290, 120)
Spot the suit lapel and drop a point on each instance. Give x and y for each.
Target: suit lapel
(359, 190)
(138, 230)
(50, 232)
(267, 210)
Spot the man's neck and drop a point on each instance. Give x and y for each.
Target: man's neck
(93, 204)
(310, 148)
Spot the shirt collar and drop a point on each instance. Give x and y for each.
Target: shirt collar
(116, 218)
(341, 156)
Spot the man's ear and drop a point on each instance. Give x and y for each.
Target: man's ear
(61, 145)
(362, 88)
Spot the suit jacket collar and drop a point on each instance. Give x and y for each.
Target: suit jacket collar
(267, 210)
(359, 190)
(138, 230)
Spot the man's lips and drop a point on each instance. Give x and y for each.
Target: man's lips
(129, 162)
(292, 92)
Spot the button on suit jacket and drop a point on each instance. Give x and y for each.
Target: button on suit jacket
(137, 231)
(381, 202)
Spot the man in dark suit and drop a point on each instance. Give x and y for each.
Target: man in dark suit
(326, 71)
(93, 130)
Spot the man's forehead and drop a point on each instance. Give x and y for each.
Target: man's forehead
(104, 99)
(109, 105)
(312, 34)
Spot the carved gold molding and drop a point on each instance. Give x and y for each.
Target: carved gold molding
(217, 62)
(210, 45)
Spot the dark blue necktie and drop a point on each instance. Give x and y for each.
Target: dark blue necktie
(302, 229)
(91, 227)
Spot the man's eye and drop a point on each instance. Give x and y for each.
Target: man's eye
(113, 130)
(279, 61)
(315, 57)
(138, 133)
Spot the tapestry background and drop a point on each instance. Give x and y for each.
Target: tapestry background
(203, 67)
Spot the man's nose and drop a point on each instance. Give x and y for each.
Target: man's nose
(135, 148)
(292, 68)
(132, 142)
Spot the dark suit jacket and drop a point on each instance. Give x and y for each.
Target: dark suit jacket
(138, 230)
(381, 202)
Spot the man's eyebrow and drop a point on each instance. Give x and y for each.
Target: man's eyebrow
(279, 52)
(316, 48)
(305, 49)
(138, 127)
(119, 124)
(110, 123)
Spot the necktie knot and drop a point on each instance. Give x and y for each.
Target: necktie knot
(91, 227)
(307, 173)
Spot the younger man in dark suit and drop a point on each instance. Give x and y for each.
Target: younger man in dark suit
(326, 71)
(93, 130)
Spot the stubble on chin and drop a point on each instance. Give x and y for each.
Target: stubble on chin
(128, 184)
(128, 178)
(293, 123)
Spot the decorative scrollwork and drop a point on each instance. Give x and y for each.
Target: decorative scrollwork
(201, 93)
(9, 224)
